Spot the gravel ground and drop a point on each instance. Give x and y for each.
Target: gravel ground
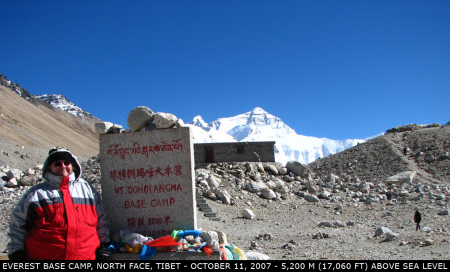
(287, 230)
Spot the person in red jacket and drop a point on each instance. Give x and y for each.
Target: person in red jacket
(61, 218)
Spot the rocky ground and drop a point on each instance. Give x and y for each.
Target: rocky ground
(333, 211)
(299, 230)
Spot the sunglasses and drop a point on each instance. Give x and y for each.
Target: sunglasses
(58, 164)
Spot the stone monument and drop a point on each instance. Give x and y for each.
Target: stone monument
(147, 181)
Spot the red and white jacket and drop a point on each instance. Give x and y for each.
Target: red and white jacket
(39, 224)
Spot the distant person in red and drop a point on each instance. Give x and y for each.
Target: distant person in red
(61, 218)
(417, 219)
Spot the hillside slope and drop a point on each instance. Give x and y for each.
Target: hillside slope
(36, 124)
(427, 153)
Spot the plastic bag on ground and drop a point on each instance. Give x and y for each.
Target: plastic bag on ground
(132, 238)
(252, 255)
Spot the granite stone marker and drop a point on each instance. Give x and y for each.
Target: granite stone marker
(148, 181)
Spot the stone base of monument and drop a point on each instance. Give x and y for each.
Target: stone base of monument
(172, 255)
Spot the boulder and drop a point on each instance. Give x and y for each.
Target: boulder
(332, 178)
(325, 195)
(271, 185)
(14, 173)
(297, 169)
(271, 169)
(29, 180)
(311, 187)
(255, 187)
(251, 167)
(12, 183)
(107, 127)
(283, 171)
(444, 212)
(179, 123)
(364, 187)
(339, 224)
(213, 183)
(381, 231)
(260, 167)
(311, 198)
(268, 193)
(248, 214)
(222, 237)
(209, 236)
(224, 196)
(279, 183)
(139, 117)
(326, 224)
(401, 178)
(165, 120)
(202, 173)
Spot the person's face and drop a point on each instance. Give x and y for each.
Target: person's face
(61, 168)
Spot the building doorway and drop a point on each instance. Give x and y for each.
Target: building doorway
(209, 155)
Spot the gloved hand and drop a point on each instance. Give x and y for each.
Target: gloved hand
(18, 255)
(102, 253)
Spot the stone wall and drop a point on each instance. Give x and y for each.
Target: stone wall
(234, 152)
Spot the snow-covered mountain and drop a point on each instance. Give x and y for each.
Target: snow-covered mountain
(256, 125)
(259, 125)
(60, 101)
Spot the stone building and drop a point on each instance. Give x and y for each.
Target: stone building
(234, 152)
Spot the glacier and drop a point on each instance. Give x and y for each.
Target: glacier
(259, 125)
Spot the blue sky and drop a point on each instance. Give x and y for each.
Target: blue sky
(333, 69)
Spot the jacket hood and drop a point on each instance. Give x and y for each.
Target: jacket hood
(57, 151)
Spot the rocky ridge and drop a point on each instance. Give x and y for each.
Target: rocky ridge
(15, 87)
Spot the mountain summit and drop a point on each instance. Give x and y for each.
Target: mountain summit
(256, 125)
(60, 101)
(259, 125)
